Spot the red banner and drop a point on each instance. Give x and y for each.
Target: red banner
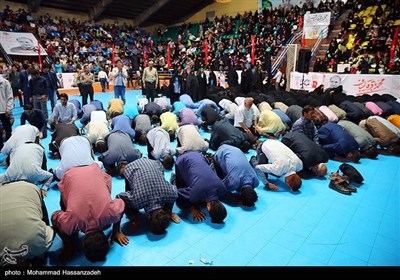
(40, 57)
(206, 52)
(168, 56)
(393, 47)
(113, 55)
(253, 49)
(303, 40)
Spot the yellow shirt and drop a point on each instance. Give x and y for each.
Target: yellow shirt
(395, 119)
(169, 121)
(115, 105)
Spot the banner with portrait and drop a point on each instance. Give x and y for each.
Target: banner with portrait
(20, 43)
(356, 85)
(316, 25)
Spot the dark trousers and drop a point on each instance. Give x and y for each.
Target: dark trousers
(149, 150)
(251, 138)
(17, 93)
(86, 90)
(103, 82)
(150, 91)
(5, 120)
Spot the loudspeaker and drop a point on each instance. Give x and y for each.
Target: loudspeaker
(303, 64)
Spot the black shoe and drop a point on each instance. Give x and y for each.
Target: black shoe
(339, 187)
(351, 188)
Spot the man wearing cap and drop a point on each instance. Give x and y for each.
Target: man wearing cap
(197, 183)
(150, 81)
(119, 76)
(237, 174)
(146, 187)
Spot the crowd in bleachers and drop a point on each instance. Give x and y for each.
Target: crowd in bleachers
(365, 40)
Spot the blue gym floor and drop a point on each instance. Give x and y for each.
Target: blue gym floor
(315, 227)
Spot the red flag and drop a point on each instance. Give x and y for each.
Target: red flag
(40, 57)
(145, 58)
(303, 40)
(253, 49)
(393, 47)
(206, 52)
(113, 55)
(168, 57)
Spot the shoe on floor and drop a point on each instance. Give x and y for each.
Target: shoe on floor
(339, 187)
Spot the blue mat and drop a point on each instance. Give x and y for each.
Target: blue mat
(314, 227)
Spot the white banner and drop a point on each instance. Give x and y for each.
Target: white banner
(16, 43)
(315, 32)
(353, 84)
(67, 80)
(318, 19)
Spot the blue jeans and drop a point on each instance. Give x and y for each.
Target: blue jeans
(119, 91)
(103, 82)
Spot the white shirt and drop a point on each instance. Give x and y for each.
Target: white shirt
(97, 130)
(229, 107)
(247, 116)
(98, 116)
(282, 160)
(190, 139)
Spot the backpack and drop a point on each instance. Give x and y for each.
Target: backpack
(351, 172)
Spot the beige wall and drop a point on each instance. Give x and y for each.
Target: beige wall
(230, 9)
(58, 12)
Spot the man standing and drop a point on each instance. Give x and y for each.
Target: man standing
(150, 81)
(86, 79)
(6, 105)
(52, 85)
(119, 76)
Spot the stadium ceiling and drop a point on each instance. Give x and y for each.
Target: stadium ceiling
(141, 12)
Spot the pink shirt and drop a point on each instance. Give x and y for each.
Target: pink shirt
(374, 108)
(328, 112)
(86, 193)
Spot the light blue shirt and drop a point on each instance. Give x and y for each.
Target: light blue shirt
(21, 134)
(159, 140)
(26, 165)
(74, 151)
(64, 114)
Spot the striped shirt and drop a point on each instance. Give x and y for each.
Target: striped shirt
(148, 188)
